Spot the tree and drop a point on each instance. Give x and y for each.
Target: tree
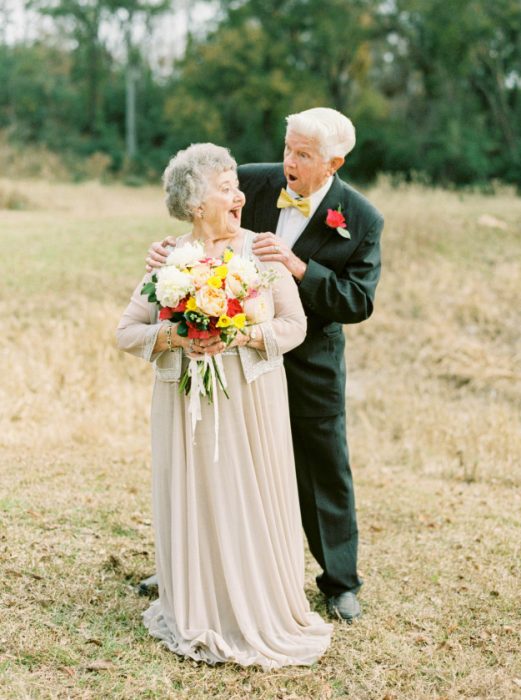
(432, 87)
(81, 20)
(269, 58)
(460, 64)
(128, 14)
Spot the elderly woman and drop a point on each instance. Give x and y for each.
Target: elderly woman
(229, 549)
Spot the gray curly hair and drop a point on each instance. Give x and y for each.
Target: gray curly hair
(185, 179)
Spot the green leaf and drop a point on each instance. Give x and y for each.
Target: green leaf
(207, 381)
(344, 232)
(182, 329)
(185, 383)
(219, 379)
(148, 288)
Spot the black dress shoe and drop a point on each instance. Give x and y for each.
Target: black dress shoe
(344, 606)
(149, 586)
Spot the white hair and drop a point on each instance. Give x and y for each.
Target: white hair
(334, 132)
(185, 178)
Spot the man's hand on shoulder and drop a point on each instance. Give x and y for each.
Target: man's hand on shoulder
(270, 248)
(158, 253)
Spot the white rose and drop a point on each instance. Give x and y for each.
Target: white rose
(186, 255)
(245, 270)
(235, 286)
(172, 286)
(256, 309)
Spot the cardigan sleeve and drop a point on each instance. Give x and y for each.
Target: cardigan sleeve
(287, 329)
(137, 329)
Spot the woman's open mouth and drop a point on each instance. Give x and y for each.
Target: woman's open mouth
(236, 213)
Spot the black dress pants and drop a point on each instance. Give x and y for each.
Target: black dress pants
(327, 499)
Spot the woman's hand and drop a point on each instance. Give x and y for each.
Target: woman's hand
(214, 345)
(208, 346)
(192, 350)
(158, 253)
(168, 338)
(240, 340)
(197, 348)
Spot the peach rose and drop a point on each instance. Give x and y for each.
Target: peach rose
(211, 301)
(200, 274)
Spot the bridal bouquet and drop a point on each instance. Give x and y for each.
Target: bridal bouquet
(208, 297)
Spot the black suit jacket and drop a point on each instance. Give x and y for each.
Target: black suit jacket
(338, 287)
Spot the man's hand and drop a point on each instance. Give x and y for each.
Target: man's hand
(158, 253)
(270, 248)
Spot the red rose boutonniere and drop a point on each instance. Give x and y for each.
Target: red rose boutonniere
(335, 219)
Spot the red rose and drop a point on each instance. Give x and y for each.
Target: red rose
(194, 333)
(234, 307)
(166, 313)
(181, 307)
(335, 219)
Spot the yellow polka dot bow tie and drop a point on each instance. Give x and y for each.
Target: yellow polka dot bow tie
(285, 200)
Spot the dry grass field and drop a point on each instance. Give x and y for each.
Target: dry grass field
(435, 436)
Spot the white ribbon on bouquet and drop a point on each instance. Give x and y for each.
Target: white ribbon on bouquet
(197, 389)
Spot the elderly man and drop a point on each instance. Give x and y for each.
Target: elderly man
(328, 236)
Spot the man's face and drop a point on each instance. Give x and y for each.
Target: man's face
(304, 166)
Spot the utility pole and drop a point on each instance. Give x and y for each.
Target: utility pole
(130, 112)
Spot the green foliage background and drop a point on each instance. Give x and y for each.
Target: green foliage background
(434, 89)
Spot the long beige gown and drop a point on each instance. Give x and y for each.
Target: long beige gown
(229, 547)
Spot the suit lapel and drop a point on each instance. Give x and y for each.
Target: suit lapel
(316, 233)
(266, 214)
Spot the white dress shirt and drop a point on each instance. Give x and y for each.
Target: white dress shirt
(292, 222)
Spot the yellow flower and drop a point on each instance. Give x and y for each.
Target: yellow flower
(228, 255)
(224, 321)
(191, 304)
(215, 282)
(239, 320)
(221, 271)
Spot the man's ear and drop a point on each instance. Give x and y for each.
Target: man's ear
(336, 163)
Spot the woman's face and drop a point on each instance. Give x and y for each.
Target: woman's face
(223, 203)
